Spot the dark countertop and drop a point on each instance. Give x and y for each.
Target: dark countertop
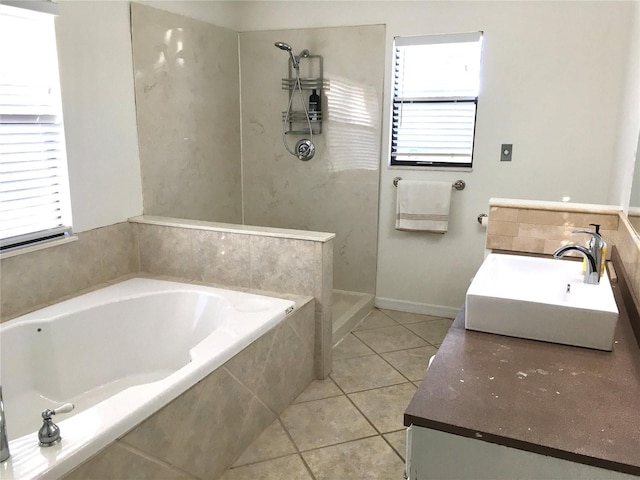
(568, 402)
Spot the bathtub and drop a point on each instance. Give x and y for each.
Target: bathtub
(119, 354)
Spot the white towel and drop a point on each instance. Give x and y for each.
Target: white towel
(423, 206)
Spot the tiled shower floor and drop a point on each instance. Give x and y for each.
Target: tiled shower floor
(349, 426)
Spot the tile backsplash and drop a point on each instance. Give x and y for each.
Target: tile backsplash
(541, 227)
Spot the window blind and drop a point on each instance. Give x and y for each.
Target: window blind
(34, 193)
(435, 95)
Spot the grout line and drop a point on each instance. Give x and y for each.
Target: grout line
(295, 445)
(394, 448)
(315, 449)
(141, 453)
(380, 434)
(388, 363)
(333, 395)
(358, 409)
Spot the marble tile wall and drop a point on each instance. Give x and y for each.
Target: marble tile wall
(187, 109)
(187, 86)
(201, 433)
(544, 229)
(337, 190)
(33, 280)
(263, 262)
(628, 245)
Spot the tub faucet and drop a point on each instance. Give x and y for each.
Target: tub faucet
(593, 253)
(4, 441)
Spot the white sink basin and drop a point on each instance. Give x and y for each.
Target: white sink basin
(541, 299)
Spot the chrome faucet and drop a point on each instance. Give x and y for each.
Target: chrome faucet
(4, 441)
(593, 253)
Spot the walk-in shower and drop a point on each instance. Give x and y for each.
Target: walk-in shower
(304, 149)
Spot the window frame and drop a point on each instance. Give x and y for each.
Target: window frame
(398, 101)
(26, 127)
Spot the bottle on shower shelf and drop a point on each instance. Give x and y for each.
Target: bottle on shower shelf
(314, 105)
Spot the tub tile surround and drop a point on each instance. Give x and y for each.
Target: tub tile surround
(201, 433)
(37, 279)
(231, 256)
(275, 260)
(189, 139)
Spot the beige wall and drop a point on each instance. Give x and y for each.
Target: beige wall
(96, 81)
(337, 190)
(187, 108)
(627, 154)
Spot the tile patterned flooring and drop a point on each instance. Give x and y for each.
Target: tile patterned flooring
(349, 426)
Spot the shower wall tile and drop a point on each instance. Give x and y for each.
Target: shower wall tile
(33, 280)
(187, 108)
(337, 190)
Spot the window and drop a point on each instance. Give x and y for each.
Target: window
(34, 192)
(435, 95)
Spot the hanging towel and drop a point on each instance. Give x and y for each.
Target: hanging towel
(423, 206)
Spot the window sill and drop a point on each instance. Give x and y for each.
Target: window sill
(40, 246)
(424, 168)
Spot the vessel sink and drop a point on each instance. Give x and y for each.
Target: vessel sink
(541, 299)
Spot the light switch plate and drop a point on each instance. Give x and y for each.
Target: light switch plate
(505, 152)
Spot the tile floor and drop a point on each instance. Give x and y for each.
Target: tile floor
(349, 426)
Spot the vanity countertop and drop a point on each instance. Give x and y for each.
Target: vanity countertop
(573, 403)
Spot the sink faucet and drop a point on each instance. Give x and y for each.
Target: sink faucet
(593, 253)
(4, 441)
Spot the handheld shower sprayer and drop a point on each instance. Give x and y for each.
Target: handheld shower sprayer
(287, 48)
(304, 149)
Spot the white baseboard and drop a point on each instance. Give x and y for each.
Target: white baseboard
(415, 307)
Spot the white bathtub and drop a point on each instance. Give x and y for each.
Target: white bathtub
(119, 354)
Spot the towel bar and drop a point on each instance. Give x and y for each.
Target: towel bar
(458, 184)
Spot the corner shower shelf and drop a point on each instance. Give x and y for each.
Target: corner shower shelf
(297, 119)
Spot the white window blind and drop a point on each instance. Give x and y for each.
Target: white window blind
(34, 192)
(435, 95)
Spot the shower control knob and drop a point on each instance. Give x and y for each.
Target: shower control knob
(305, 150)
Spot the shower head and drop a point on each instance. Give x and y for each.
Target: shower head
(287, 48)
(283, 46)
